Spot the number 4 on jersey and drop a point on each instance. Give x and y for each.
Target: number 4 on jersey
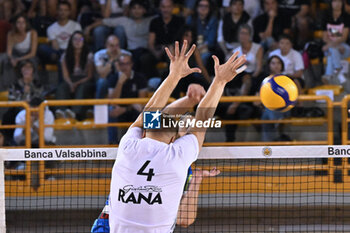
(150, 171)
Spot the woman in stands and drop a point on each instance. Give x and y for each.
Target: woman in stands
(22, 43)
(77, 69)
(335, 35)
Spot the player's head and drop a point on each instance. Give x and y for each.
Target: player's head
(166, 134)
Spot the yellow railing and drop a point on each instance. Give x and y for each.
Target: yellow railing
(345, 120)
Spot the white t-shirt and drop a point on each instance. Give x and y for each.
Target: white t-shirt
(147, 182)
(62, 33)
(115, 8)
(101, 56)
(293, 61)
(250, 56)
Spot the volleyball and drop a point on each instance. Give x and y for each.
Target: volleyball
(278, 93)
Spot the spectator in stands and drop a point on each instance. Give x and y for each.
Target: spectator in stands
(19, 134)
(229, 25)
(125, 84)
(254, 55)
(58, 34)
(299, 13)
(270, 132)
(9, 8)
(205, 23)
(136, 29)
(187, 33)
(22, 44)
(335, 35)
(163, 31)
(111, 9)
(252, 7)
(25, 89)
(48, 8)
(292, 59)
(270, 25)
(104, 61)
(78, 67)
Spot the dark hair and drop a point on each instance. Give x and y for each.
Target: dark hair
(234, 1)
(182, 32)
(270, 60)
(138, 2)
(286, 37)
(23, 63)
(16, 17)
(69, 57)
(63, 2)
(35, 102)
(246, 26)
(212, 10)
(331, 8)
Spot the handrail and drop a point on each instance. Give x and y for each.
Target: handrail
(225, 99)
(344, 119)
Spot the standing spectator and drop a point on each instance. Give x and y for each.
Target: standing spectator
(292, 59)
(163, 31)
(229, 25)
(205, 23)
(136, 29)
(127, 84)
(335, 34)
(19, 134)
(77, 66)
(254, 56)
(22, 43)
(270, 25)
(58, 34)
(104, 61)
(298, 11)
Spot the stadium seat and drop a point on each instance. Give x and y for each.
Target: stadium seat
(85, 124)
(318, 34)
(337, 89)
(64, 123)
(51, 67)
(43, 40)
(4, 95)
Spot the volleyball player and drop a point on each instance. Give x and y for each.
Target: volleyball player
(149, 173)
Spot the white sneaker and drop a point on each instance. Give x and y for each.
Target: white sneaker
(341, 78)
(69, 114)
(59, 114)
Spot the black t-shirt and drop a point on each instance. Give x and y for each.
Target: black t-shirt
(166, 33)
(279, 24)
(230, 28)
(333, 27)
(291, 7)
(131, 87)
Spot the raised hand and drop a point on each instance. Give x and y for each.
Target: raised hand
(195, 92)
(226, 72)
(179, 60)
(197, 173)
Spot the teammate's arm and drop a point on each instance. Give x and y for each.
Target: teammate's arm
(188, 206)
(179, 68)
(223, 74)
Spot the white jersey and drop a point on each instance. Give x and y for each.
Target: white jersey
(147, 182)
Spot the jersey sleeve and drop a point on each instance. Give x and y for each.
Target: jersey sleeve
(189, 148)
(134, 132)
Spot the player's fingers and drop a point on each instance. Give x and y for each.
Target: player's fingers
(171, 57)
(216, 61)
(195, 70)
(233, 57)
(239, 62)
(177, 50)
(184, 48)
(190, 52)
(241, 69)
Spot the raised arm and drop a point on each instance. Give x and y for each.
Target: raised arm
(223, 74)
(179, 68)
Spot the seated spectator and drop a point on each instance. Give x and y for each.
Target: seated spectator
(163, 31)
(335, 35)
(270, 25)
(205, 23)
(254, 55)
(292, 59)
(110, 9)
(104, 61)
(299, 13)
(252, 7)
(229, 25)
(9, 8)
(19, 134)
(25, 89)
(136, 29)
(22, 43)
(48, 8)
(272, 132)
(58, 34)
(187, 33)
(125, 84)
(77, 68)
